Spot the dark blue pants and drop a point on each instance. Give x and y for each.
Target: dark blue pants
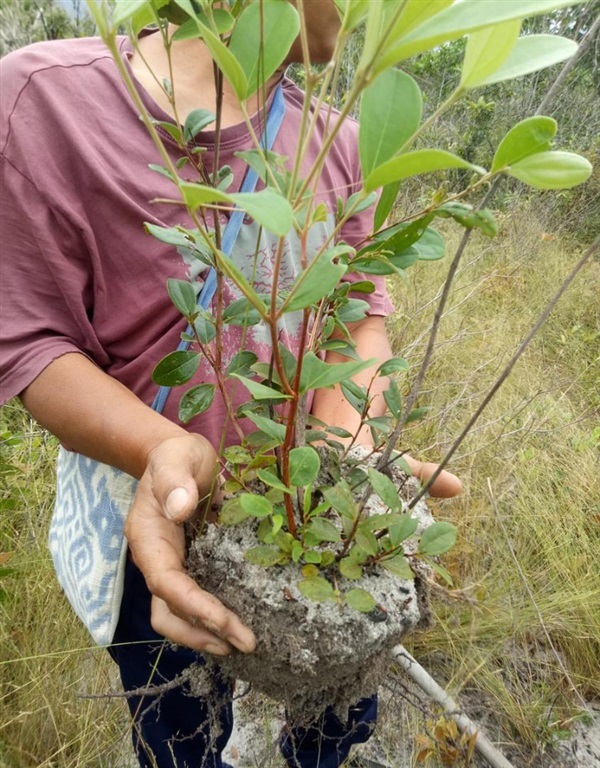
(176, 730)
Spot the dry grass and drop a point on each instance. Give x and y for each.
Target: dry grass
(536, 447)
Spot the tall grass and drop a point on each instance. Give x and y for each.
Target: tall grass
(532, 497)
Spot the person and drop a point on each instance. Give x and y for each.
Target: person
(86, 316)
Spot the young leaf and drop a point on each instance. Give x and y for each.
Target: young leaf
(487, 49)
(196, 400)
(226, 61)
(317, 374)
(530, 54)
(530, 136)
(270, 209)
(414, 164)
(264, 556)
(360, 600)
(437, 539)
(385, 489)
(315, 282)
(323, 529)
(317, 588)
(183, 295)
(390, 113)
(398, 565)
(304, 466)
(196, 121)
(176, 368)
(256, 506)
(260, 391)
(552, 170)
(261, 40)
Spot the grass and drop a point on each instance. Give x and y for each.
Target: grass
(530, 470)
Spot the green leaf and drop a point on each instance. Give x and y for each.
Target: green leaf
(417, 414)
(317, 374)
(196, 400)
(390, 113)
(440, 570)
(256, 506)
(270, 209)
(170, 235)
(487, 49)
(261, 39)
(232, 513)
(264, 556)
(268, 426)
(530, 54)
(311, 556)
(183, 295)
(398, 565)
(552, 170)
(530, 136)
(317, 589)
(316, 282)
(340, 498)
(196, 121)
(241, 363)
(189, 30)
(393, 399)
(323, 529)
(367, 541)
(304, 466)
(414, 164)
(350, 569)
(431, 246)
(204, 326)
(241, 312)
(482, 219)
(385, 489)
(260, 391)
(393, 365)
(271, 479)
(125, 9)
(176, 368)
(388, 196)
(437, 539)
(226, 61)
(400, 531)
(360, 600)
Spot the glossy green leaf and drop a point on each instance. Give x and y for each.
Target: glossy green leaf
(353, 13)
(552, 170)
(360, 600)
(183, 296)
(530, 136)
(460, 19)
(414, 164)
(261, 39)
(196, 121)
(260, 391)
(530, 54)
(437, 539)
(385, 489)
(316, 373)
(196, 400)
(316, 588)
(256, 506)
(398, 565)
(304, 466)
(264, 556)
(316, 282)
(270, 209)
(388, 196)
(226, 61)
(400, 530)
(486, 51)
(390, 113)
(176, 368)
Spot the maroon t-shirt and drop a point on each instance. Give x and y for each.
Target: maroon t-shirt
(78, 271)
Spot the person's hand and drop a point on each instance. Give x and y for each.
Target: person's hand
(180, 474)
(445, 486)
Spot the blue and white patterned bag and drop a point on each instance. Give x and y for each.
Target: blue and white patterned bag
(86, 539)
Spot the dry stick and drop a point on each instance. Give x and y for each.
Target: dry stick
(531, 595)
(507, 370)
(586, 42)
(426, 683)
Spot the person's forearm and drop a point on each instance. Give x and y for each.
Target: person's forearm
(330, 405)
(94, 414)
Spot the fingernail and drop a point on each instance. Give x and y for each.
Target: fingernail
(176, 502)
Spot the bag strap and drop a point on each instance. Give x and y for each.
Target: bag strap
(232, 229)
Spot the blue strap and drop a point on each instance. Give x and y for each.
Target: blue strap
(232, 230)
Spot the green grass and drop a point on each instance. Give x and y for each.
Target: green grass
(531, 463)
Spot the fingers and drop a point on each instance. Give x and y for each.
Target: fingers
(445, 486)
